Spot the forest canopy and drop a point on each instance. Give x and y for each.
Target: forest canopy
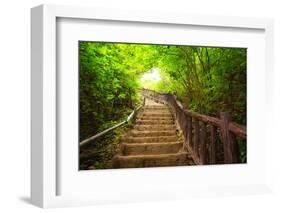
(207, 80)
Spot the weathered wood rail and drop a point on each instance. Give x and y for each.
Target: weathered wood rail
(202, 133)
(93, 138)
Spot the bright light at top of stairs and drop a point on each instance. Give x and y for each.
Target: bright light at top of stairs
(152, 75)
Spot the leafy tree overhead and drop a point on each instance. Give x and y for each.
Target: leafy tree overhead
(207, 80)
(109, 82)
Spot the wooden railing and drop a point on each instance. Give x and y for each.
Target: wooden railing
(93, 138)
(204, 134)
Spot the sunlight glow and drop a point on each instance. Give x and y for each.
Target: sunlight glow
(152, 75)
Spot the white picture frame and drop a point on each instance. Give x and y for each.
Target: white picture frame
(44, 154)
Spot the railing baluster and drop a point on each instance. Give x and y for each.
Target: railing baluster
(203, 142)
(227, 137)
(189, 132)
(235, 150)
(196, 137)
(195, 133)
(213, 133)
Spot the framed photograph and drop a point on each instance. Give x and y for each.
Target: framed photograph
(131, 106)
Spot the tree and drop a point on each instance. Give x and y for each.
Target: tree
(207, 80)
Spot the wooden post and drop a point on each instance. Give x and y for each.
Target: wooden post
(189, 132)
(213, 131)
(202, 142)
(227, 137)
(196, 137)
(143, 101)
(235, 152)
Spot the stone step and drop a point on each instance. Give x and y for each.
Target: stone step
(153, 142)
(151, 148)
(143, 118)
(138, 161)
(158, 111)
(155, 127)
(149, 133)
(156, 122)
(157, 139)
(154, 114)
(155, 107)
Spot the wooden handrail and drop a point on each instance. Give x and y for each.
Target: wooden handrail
(92, 138)
(193, 126)
(237, 129)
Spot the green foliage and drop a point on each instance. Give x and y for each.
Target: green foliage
(109, 83)
(109, 90)
(205, 79)
(101, 151)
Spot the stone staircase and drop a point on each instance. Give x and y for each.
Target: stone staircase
(153, 142)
